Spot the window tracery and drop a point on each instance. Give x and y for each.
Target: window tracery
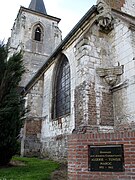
(62, 89)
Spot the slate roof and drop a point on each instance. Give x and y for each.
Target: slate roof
(38, 6)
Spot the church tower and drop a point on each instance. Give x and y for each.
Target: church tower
(37, 34)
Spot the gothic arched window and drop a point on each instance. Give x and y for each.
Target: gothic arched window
(38, 34)
(62, 89)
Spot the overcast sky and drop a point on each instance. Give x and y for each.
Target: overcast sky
(70, 12)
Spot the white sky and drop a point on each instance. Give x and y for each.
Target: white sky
(69, 11)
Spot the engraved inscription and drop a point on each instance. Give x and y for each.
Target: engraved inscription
(109, 158)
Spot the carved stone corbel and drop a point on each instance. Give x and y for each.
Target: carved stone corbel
(110, 74)
(104, 19)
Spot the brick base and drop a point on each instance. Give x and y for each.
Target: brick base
(32, 143)
(78, 155)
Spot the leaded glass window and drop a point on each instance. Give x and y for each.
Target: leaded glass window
(62, 92)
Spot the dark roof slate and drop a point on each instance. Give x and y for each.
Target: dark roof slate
(38, 6)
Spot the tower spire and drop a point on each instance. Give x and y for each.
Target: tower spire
(38, 5)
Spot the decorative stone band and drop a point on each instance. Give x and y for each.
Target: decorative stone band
(110, 74)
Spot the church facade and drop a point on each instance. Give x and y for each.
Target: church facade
(80, 85)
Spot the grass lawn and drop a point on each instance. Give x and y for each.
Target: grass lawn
(30, 169)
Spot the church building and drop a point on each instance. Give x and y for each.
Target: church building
(83, 84)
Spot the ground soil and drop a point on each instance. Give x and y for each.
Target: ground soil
(61, 173)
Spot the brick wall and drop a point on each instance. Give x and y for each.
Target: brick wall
(78, 155)
(88, 108)
(116, 4)
(32, 143)
(92, 109)
(33, 127)
(106, 109)
(85, 104)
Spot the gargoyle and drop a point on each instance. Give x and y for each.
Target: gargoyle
(104, 18)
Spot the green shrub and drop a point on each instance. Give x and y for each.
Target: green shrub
(11, 104)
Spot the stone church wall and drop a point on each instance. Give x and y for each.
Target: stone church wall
(33, 61)
(91, 103)
(31, 145)
(102, 88)
(93, 99)
(55, 131)
(123, 93)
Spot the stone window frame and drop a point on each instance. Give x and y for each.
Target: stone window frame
(67, 89)
(37, 25)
